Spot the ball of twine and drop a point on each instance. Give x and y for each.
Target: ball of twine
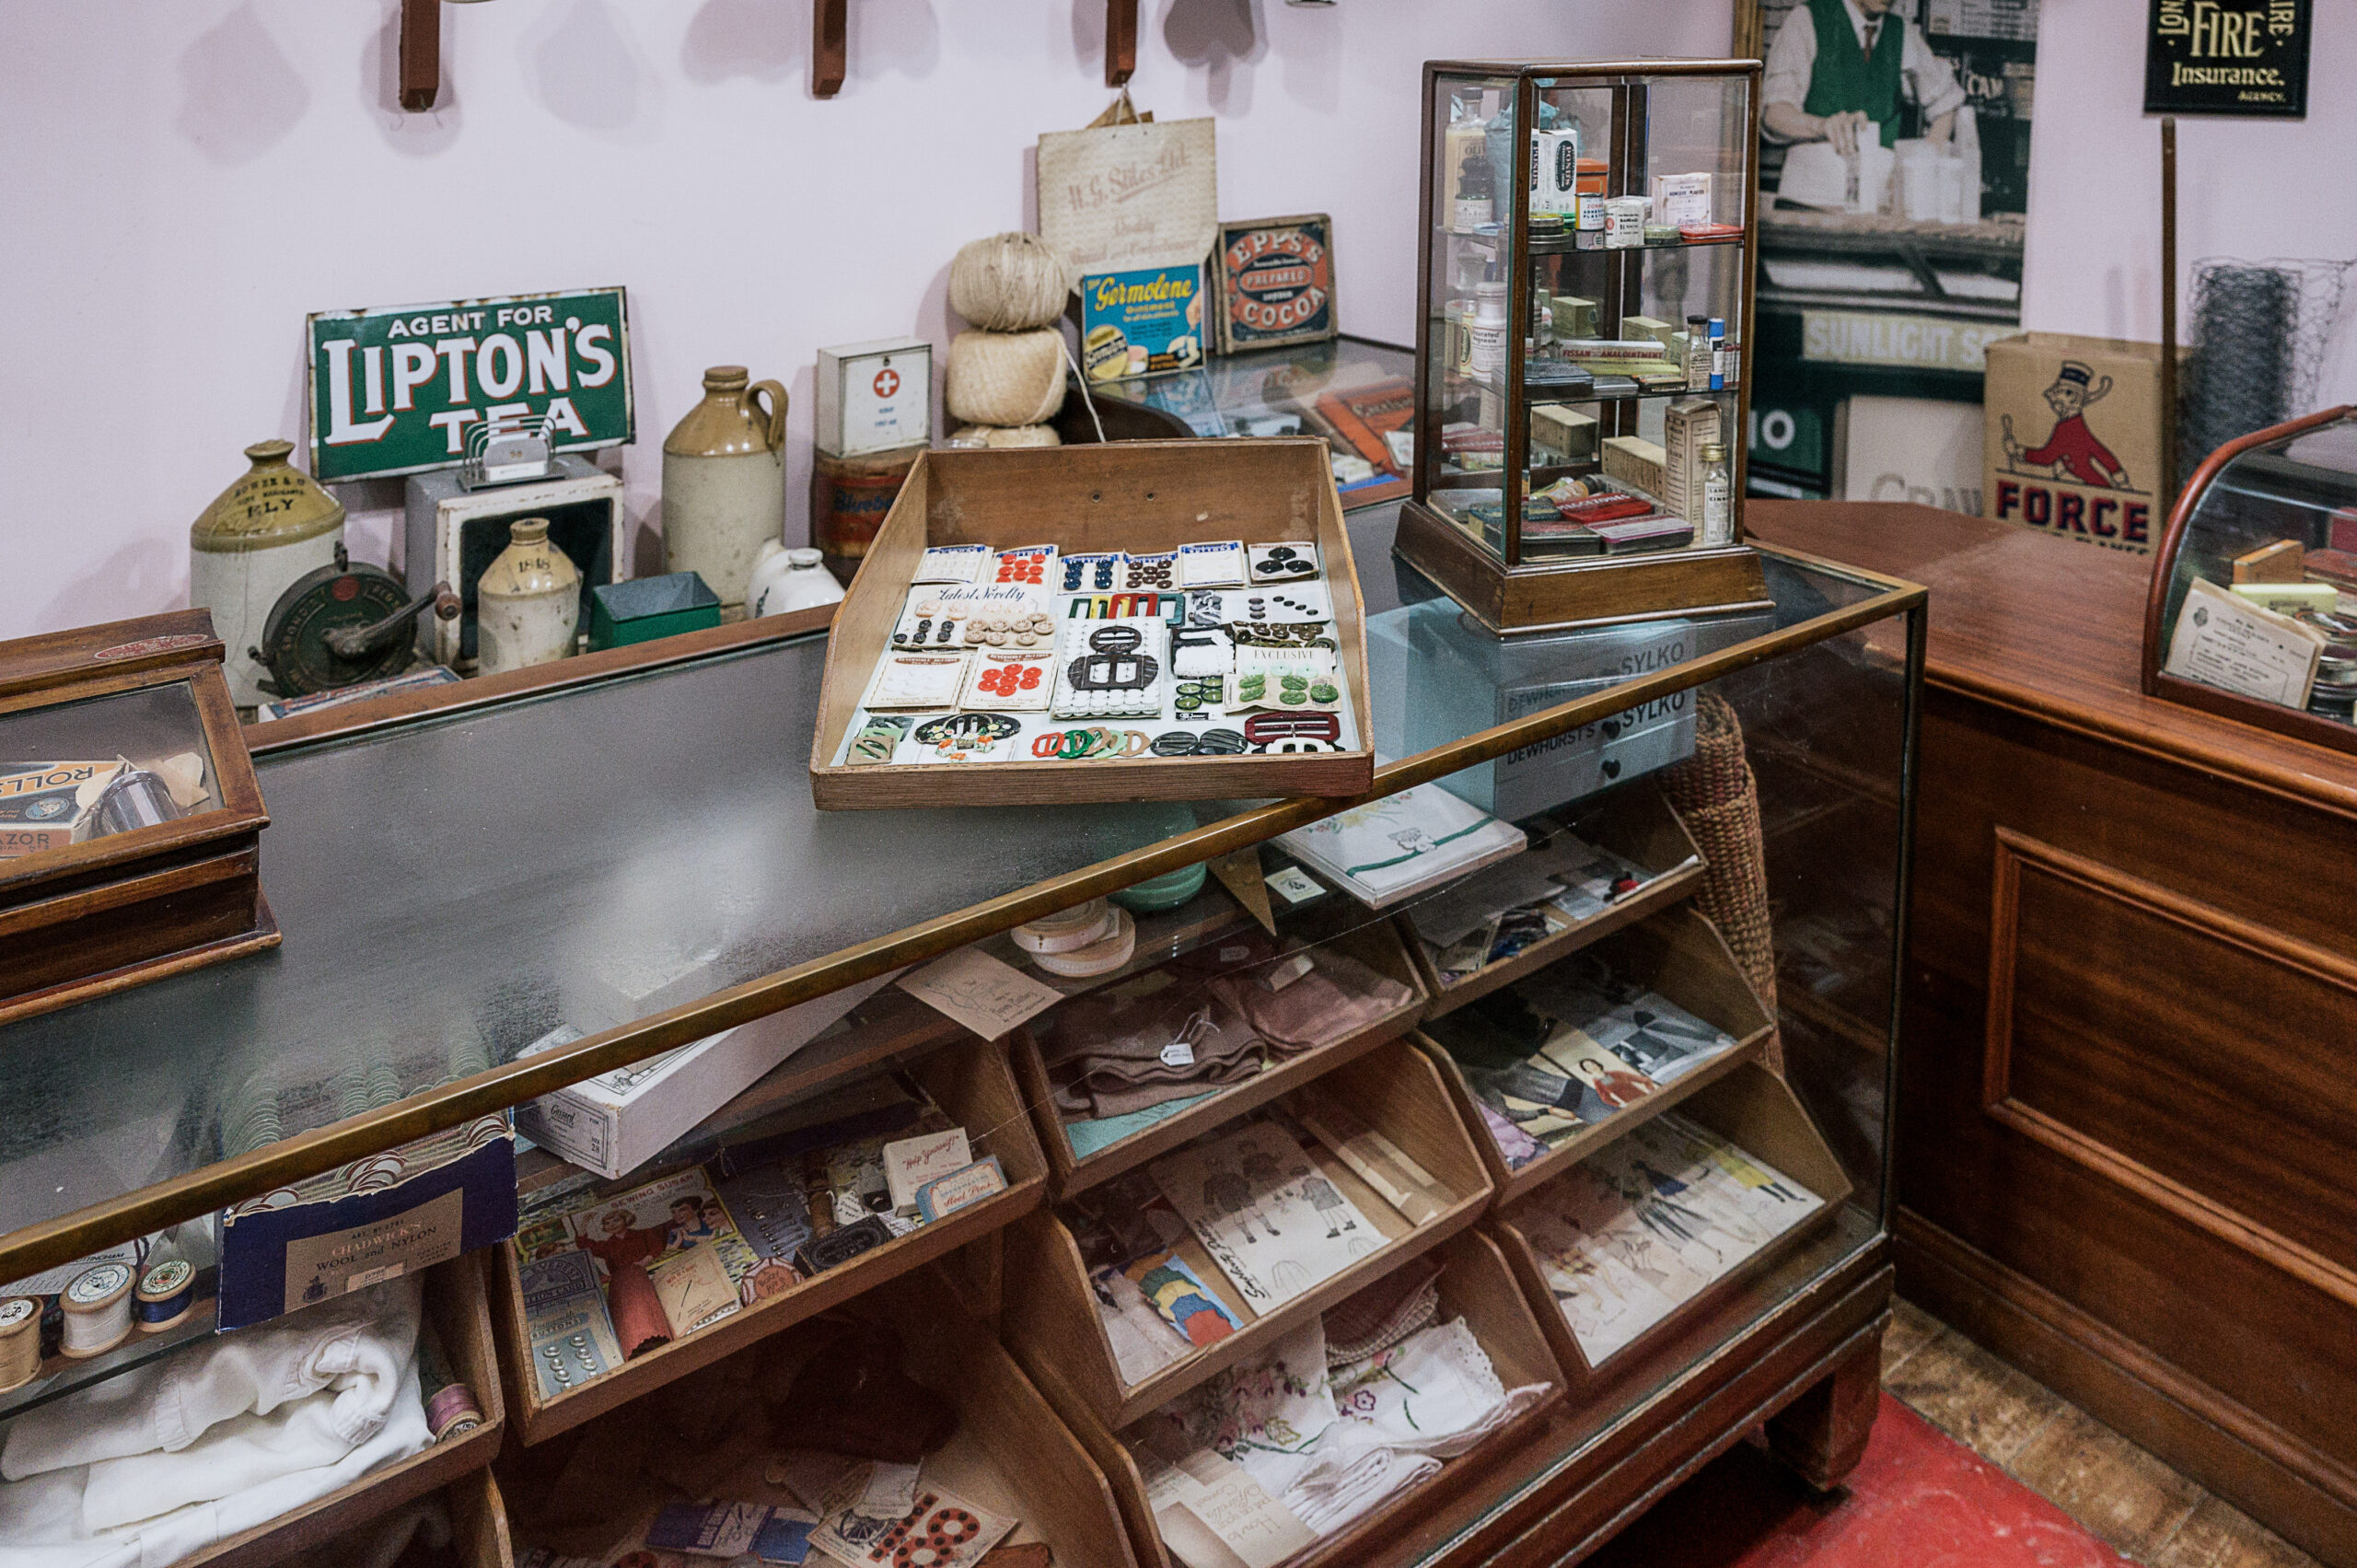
(1009, 282)
(1006, 378)
(1021, 436)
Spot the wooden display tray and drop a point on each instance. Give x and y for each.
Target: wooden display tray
(1476, 1284)
(971, 1082)
(455, 1304)
(111, 913)
(1011, 1455)
(1642, 828)
(1050, 1315)
(1377, 946)
(1753, 1109)
(1678, 953)
(1134, 495)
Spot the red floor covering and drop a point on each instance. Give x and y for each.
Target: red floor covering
(1919, 1498)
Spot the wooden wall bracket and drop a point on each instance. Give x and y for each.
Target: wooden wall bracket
(829, 46)
(420, 54)
(1120, 41)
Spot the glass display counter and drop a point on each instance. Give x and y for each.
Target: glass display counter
(2252, 609)
(638, 858)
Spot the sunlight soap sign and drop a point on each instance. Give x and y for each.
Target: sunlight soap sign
(398, 390)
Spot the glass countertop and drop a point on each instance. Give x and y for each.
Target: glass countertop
(451, 890)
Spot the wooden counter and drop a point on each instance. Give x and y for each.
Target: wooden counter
(2128, 1102)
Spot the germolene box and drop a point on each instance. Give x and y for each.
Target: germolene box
(1141, 322)
(2071, 437)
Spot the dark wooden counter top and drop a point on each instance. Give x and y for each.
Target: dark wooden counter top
(2049, 629)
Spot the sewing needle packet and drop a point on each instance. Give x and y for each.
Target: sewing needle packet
(987, 995)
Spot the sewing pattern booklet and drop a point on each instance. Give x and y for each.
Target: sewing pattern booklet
(1393, 848)
(1646, 1224)
(1266, 1214)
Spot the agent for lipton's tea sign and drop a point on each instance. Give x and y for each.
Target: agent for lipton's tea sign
(1840, 66)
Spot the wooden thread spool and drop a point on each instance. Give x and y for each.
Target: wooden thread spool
(1006, 378)
(167, 1293)
(98, 1310)
(1009, 282)
(19, 1342)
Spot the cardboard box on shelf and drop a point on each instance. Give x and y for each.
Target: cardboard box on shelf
(1634, 461)
(1688, 425)
(2073, 443)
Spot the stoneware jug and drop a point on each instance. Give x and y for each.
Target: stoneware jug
(724, 483)
(789, 579)
(527, 603)
(269, 527)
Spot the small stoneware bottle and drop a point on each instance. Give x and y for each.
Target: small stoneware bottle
(789, 579)
(724, 483)
(527, 604)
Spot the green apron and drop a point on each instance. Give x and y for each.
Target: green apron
(1845, 78)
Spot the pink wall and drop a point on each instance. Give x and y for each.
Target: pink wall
(185, 180)
(2246, 189)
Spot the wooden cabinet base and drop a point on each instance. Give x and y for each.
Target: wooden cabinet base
(1822, 1434)
(1581, 590)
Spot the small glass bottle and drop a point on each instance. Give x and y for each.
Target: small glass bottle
(1489, 331)
(1697, 354)
(1718, 497)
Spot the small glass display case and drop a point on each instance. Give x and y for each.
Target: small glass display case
(130, 821)
(1585, 338)
(2253, 611)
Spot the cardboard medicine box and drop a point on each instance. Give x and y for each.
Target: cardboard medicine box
(1142, 322)
(618, 1121)
(2071, 437)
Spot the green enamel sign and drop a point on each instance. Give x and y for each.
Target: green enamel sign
(398, 391)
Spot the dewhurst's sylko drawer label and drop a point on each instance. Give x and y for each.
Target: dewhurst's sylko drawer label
(396, 389)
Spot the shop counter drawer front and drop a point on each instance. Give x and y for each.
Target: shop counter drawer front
(1475, 1284)
(1679, 954)
(1051, 1317)
(1750, 1108)
(969, 1080)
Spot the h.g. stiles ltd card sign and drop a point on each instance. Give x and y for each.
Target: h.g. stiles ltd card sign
(396, 389)
(2245, 57)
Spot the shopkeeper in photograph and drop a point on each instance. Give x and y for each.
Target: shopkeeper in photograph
(1840, 65)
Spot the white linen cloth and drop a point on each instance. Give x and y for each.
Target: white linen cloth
(150, 1467)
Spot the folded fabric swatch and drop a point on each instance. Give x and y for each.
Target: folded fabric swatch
(1087, 1134)
(1338, 997)
(1384, 1313)
(163, 1461)
(1110, 1059)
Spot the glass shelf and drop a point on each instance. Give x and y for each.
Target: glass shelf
(1582, 242)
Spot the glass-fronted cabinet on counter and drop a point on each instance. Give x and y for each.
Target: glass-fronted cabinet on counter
(1583, 340)
(2253, 607)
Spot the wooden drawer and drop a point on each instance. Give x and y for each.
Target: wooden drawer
(1050, 1318)
(1638, 825)
(455, 1304)
(1752, 1108)
(1012, 1453)
(1378, 947)
(1476, 1284)
(1679, 954)
(969, 1080)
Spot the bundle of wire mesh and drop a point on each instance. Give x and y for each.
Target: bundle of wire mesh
(2261, 330)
